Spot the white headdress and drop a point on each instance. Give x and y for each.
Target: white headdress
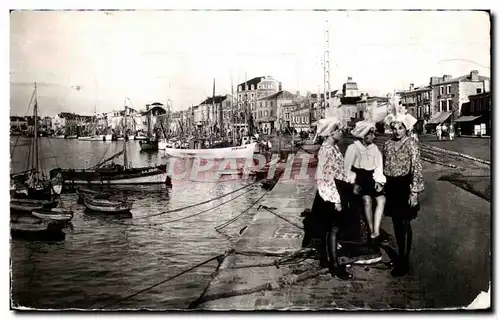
(373, 114)
(398, 113)
(326, 125)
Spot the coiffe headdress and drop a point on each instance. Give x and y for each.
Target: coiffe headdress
(332, 119)
(398, 113)
(373, 114)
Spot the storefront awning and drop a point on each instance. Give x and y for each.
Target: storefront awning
(439, 117)
(467, 118)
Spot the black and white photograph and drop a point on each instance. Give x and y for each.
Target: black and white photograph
(250, 160)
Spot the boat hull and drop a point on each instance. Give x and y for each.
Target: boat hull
(28, 205)
(107, 206)
(54, 214)
(49, 230)
(245, 151)
(144, 175)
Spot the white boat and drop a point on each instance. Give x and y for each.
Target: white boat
(99, 137)
(59, 136)
(57, 214)
(240, 152)
(107, 206)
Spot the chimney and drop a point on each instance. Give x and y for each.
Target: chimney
(486, 84)
(280, 86)
(412, 86)
(349, 78)
(434, 81)
(474, 75)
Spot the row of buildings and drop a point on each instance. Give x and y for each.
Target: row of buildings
(464, 101)
(262, 103)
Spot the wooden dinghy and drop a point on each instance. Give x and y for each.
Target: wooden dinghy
(107, 206)
(37, 229)
(57, 214)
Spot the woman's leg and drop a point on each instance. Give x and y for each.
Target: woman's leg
(331, 249)
(379, 211)
(367, 206)
(404, 236)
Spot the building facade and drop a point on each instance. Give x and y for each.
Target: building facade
(475, 116)
(269, 111)
(249, 92)
(449, 94)
(418, 102)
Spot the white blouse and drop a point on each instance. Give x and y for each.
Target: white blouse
(364, 157)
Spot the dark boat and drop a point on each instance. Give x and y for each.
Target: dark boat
(32, 189)
(106, 173)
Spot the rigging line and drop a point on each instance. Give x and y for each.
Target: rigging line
(196, 204)
(27, 110)
(225, 224)
(290, 222)
(218, 257)
(200, 212)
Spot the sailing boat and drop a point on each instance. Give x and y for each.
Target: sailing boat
(105, 173)
(150, 144)
(31, 189)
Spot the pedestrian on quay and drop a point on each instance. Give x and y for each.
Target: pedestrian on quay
(452, 132)
(403, 170)
(438, 132)
(332, 201)
(364, 168)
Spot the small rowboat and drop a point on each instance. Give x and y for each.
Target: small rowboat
(37, 230)
(28, 205)
(107, 206)
(82, 193)
(57, 214)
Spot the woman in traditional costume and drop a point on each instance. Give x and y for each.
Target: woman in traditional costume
(403, 171)
(332, 200)
(364, 167)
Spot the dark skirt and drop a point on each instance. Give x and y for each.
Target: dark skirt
(364, 179)
(329, 217)
(397, 193)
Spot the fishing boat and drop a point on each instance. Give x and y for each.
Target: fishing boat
(109, 173)
(241, 152)
(32, 189)
(57, 214)
(150, 143)
(107, 206)
(37, 229)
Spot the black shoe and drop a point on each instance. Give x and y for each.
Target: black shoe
(340, 272)
(401, 269)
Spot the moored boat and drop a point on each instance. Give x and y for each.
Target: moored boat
(114, 174)
(37, 229)
(57, 214)
(28, 205)
(107, 206)
(242, 152)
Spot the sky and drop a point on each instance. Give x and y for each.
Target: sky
(86, 60)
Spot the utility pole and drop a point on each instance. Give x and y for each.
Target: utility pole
(326, 69)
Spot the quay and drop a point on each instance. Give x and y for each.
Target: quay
(260, 272)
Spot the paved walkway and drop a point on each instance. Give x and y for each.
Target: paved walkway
(446, 270)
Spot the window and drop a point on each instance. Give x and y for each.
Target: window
(251, 96)
(478, 90)
(265, 113)
(449, 105)
(443, 105)
(448, 89)
(441, 90)
(239, 89)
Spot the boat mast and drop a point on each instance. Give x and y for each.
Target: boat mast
(125, 160)
(232, 113)
(35, 114)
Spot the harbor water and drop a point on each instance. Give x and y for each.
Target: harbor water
(104, 259)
